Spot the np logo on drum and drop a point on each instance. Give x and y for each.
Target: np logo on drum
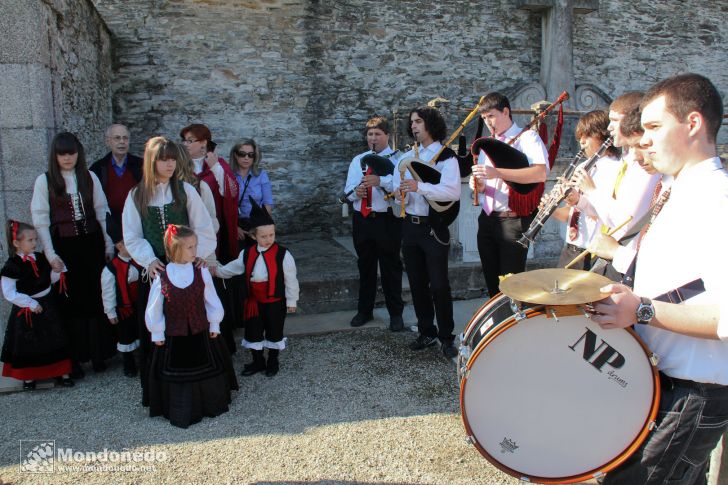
(600, 356)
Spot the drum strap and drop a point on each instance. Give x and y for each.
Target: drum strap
(685, 292)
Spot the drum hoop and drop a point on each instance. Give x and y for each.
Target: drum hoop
(467, 330)
(613, 463)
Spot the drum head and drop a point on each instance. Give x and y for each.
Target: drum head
(557, 402)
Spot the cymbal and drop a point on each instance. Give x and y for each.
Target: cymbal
(555, 286)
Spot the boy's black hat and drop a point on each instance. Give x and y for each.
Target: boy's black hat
(259, 216)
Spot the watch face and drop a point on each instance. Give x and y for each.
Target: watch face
(645, 313)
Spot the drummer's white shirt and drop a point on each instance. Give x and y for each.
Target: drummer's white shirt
(353, 179)
(447, 190)
(686, 242)
(531, 145)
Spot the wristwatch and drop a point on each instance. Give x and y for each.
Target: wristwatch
(645, 312)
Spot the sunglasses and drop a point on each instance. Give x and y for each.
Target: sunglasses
(242, 154)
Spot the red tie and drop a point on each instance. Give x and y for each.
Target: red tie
(656, 208)
(27, 258)
(366, 202)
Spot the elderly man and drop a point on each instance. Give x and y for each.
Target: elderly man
(119, 170)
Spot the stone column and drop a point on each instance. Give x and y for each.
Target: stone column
(27, 112)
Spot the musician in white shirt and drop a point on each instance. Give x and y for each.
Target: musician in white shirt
(377, 233)
(501, 223)
(680, 253)
(425, 247)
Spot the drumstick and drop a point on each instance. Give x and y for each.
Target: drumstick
(586, 251)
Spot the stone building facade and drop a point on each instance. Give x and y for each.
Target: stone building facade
(302, 76)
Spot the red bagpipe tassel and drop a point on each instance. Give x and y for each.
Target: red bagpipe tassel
(28, 315)
(556, 141)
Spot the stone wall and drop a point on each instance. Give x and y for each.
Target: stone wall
(631, 45)
(301, 76)
(55, 66)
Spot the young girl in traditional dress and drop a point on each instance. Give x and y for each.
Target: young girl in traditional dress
(35, 345)
(120, 292)
(69, 212)
(227, 294)
(191, 373)
(272, 291)
(160, 199)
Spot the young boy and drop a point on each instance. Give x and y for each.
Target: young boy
(272, 291)
(119, 292)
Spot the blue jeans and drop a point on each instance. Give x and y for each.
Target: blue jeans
(691, 419)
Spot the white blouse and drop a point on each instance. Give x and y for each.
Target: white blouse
(181, 276)
(41, 212)
(199, 220)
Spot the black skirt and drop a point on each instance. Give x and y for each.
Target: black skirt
(89, 332)
(190, 377)
(36, 342)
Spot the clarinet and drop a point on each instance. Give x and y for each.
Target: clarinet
(557, 194)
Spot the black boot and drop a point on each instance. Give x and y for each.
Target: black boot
(98, 366)
(258, 364)
(272, 364)
(77, 371)
(130, 368)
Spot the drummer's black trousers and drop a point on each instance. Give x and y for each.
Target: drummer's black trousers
(425, 260)
(691, 419)
(500, 253)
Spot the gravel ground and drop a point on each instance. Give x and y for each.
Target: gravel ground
(348, 407)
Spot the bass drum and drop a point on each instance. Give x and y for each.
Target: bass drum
(554, 399)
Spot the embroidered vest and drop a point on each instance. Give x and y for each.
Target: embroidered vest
(63, 222)
(184, 308)
(155, 222)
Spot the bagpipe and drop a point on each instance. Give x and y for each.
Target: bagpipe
(381, 166)
(524, 197)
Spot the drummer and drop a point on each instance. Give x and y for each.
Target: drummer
(678, 260)
(506, 214)
(377, 232)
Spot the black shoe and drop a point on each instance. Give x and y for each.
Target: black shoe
(130, 368)
(253, 368)
(258, 364)
(422, 341)
(360, 319)
(65, 382)
(28, 385)
(449, 350)
(98, 366)
(396, 324)
(271, 367)
(77, 371)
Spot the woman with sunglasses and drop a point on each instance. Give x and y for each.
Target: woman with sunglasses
(253, 181)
